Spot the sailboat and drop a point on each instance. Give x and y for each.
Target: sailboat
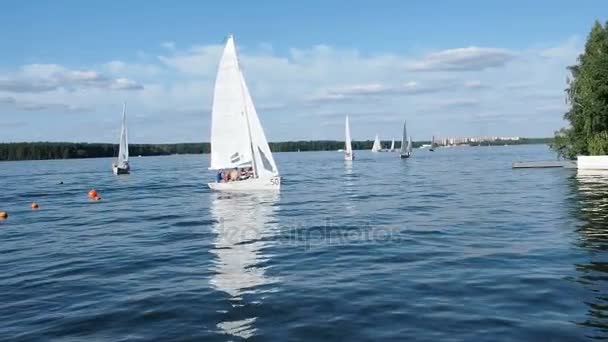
(392, 145)
(348, 149)
(239, 149)
(406, 144)
(432, 148)
(121, 166)
(377, 147)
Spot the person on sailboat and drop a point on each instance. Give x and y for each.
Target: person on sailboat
(244, 174)
(234, 174)
(219, 177)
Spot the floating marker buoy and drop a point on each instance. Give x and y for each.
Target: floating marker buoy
(35, 205)
(3, 214)
(92, 193)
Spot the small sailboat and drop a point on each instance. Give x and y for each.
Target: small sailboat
(377, 147)
(392, 145)
(406, 144)
(348, 149)
(121, 166)
(239, 149)
(432, 148)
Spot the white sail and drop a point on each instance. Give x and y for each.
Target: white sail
(404, 141)
(392, 145)
(377, 146)
(123, 147)
(409, 145)
(348, 149)
(264, 164)
(230, 136)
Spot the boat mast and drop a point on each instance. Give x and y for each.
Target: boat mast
(124, 125)
(403, 138)
(241, 81)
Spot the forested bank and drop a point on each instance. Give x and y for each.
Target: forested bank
(64, 150)
(587, 94)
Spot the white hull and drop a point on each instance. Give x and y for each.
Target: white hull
(120, 170)
(592, 162)
(273, 183)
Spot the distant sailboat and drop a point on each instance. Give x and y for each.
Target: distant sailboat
(432, 148)
(239, 148)
(377, 147)
(348, 149)
(406, 144)
(392, 145)
(121, 166)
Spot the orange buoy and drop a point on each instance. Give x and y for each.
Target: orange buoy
(92, 193)
(35, 205)
(3, 214)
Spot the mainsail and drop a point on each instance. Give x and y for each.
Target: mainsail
(230, 137)
(348, 149)
(404, 147)
(393, 145)
(237, 136)
(377, 146)
(123, 147)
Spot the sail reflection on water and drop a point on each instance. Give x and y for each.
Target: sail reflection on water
(349, 189)
(243, 224)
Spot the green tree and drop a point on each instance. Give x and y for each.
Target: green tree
(587, 94)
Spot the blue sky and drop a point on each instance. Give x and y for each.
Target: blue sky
(451, 68)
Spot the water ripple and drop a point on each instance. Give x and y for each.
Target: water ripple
(451, 245)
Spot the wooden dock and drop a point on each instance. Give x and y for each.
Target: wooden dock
(568, 164)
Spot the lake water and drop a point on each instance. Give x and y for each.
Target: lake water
(448, 245)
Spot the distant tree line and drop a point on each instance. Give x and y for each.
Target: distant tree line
(65, 150)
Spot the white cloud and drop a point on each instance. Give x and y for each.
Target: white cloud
(168, 45)
(568, 50)
(462, 59)
(174, 90)
(11, 102)
(198, 60)
(140, 70)
(125, 84)
(7, 99)
(37, 78)
(475, 84)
